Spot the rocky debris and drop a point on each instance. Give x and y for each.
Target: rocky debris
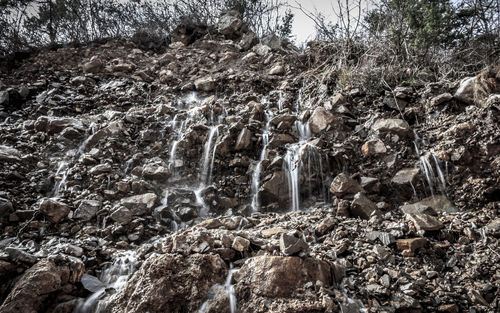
(175, 155)
(54, 209)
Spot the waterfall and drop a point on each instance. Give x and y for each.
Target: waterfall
(291, 164)
(208, 156)
(61, 183)
(258, 167)
(113, 277)
(230, 289)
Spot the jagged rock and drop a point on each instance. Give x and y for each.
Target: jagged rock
(244, 140)
(269, 232)
(465, 91)
(343, 185)
(290, 245)
(87, 210)
(442, 98)
(53, 209)
(5, 207)
(430, 205)
(240, 244)
(385, 238)
(33, 288)
(121, 215)
(248, 40)
(425, 222)
(9, 154)
(391, 125)
(280, 276)
(494, 227)
(363, 207)
(229, 23)
(93, 66)
(53, 125)
(372, 147)
(272, 41)
(205, 83)
(17, 255)
(411, 244)
(274, 189)
(405, 176)
(320, 119)
(170, 283)
(139, 204)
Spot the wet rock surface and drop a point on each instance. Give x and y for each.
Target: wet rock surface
(220, 175)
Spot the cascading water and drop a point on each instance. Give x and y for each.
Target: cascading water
(258, 167)
(208, 156)
(61, 181)
(113, 278)
(230, 290)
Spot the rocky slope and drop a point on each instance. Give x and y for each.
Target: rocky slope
(226, 175)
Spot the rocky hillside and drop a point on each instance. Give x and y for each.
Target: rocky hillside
(228, 174)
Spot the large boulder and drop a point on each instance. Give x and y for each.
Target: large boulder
(275, 189)
(170, 283)
(280, 276)
(229, 24)
(33, 288)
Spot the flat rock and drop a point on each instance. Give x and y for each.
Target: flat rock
(139, 204)
(87, 210)
(425, 222)
(290, 245)
(393, 125)
(9, 154)
(405, 176)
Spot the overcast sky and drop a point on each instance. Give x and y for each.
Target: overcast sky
(303, 27)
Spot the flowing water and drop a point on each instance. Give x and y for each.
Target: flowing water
(208, 156)
(113, 278)
(258, 167)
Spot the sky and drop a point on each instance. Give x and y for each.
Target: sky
(303, 27)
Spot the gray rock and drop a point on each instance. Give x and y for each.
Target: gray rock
(290, 245)
(405, 176)
(139, 204)
(121, 215)
(93, 66)
(465, 91)
(229, 23)
(363, 207)
(92, 283)
(393, 125)
(5, 206)
(9, 154)
(87, 210)
(442, 98)
(244, 140)
(18, 255)
(205, 83)
(4, 98)
(425, 222)
(101, 169)
(373, 147)
(272, 41)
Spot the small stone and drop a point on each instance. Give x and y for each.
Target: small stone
(373, 147)
(325, 226)
(240, 244)
(87, 210)
(442, 98)
(278, 69)
(269, 232)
